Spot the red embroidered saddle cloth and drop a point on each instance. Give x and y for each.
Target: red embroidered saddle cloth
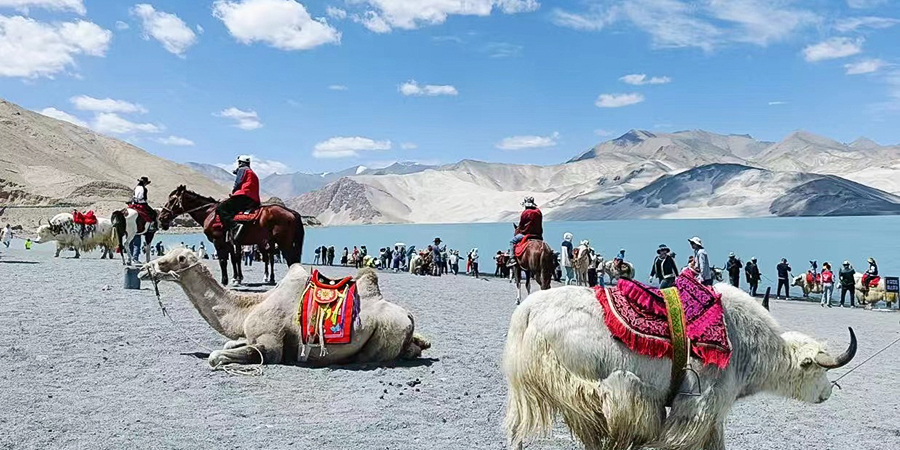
(636, 314)
(141, 209)
(519, 249)
(811, 279)
(872, 281)
(248, 216)
(328, 309)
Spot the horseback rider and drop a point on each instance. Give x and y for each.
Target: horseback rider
(531, 223)
(871, 273)
(244, 196)
(140, 198)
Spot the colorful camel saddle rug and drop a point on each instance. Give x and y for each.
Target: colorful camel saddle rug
(637, 315)
(327, 311)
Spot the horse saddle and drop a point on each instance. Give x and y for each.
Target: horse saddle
(142, 210)
(328, 309)
(248, 216)
(519, 249)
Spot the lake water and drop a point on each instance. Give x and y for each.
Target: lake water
(799, 240)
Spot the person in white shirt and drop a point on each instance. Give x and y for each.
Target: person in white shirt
(701, 262)
(140, 198)
(566, 254)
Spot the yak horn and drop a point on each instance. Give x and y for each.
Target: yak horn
(830, 362)
(765, 301)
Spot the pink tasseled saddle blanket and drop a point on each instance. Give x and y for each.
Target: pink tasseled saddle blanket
(636, 314)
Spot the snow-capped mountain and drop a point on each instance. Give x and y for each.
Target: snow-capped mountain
(639, 174)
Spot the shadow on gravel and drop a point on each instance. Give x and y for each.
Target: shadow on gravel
(421, 362)
(18, 262)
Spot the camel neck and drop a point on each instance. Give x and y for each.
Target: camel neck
(222, 309)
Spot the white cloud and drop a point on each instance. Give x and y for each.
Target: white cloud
(411, 14)
(86, 103)
(262, 167)
(603, 133)
(705, 25)
(618, 100)
(336, 13)
(176, 141)
(837, 47)
(525, 142)
(411, 87)
(62, 115)
(245, 120)
(502, 50)
(777, 102)
(111, 123)
(122, 25)
(338, 87)
(854, 23)
(199, 28)
(639, 79)
(864, 66)
(76, 6)
(346, 147)
(860, 4)
(31, 49)
(175, 36)
(408, 146)
(283, 24)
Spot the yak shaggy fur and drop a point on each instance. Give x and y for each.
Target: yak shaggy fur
(561, 359)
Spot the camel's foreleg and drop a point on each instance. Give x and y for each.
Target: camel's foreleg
(266, 346)
(235, 343)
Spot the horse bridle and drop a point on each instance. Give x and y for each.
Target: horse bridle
(181, 206)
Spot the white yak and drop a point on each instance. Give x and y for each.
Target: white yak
(67, 234)
(808, 288)
(873, 295)
(560, 358)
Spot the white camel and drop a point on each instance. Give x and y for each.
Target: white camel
(561, 359)
(266, 323)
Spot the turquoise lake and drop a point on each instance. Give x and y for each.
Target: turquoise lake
(799, 240)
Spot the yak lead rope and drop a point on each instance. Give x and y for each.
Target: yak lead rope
(835, 382)
(253, 371)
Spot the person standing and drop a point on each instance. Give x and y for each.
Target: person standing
(733, 266)
(567, 254)
(664, 268)
(498, 260)
(454, 261)
(784, 277)
(330, 255)
(827, 284)
(344, 256)
(244, 196)
(318, 252)
(701, 262)
(27, 244)
(474, 265)
(6, 235)
(847, 276)
(751, 270)
(436, 258)
(354, 258)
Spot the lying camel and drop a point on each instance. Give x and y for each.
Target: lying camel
(266, 323)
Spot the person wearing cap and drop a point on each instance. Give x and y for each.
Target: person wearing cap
(827, 284)
(244, 196)
(436, 257)
(531, 223)
(733, 266)
(701, 262)
(664, 268)
(784, 276)
(847, 276)
(140, 198)
(751, 270)
(871, 273)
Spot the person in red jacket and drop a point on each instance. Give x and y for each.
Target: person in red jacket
(244, 195)
(531, 223)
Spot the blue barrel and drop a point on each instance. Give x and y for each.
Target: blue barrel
(132, 280)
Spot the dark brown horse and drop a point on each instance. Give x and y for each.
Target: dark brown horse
(276, 228)
(537, 262)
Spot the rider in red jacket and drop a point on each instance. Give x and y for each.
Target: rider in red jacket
(531, 223)
(244, 195)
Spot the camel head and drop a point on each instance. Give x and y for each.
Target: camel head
(367, 283)
(806, 376)
(169, 266)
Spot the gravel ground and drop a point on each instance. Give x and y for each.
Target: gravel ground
(90, 365)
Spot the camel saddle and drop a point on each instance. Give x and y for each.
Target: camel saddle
(641, 317)
(327, 312)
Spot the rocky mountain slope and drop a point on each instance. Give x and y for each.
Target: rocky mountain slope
(48, 166)
(639, 174)
(294, 184)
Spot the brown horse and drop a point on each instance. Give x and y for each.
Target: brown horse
(537, 262)
(276, 228)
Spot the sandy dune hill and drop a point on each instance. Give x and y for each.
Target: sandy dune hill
(57, 165)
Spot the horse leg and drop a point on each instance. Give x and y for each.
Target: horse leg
(271, 258)
(223, 253)
(518, 277)
(528, 282)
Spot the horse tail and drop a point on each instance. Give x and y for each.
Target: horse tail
(298, 237)
(118, 224)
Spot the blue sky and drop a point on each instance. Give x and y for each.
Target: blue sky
(323, 85)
